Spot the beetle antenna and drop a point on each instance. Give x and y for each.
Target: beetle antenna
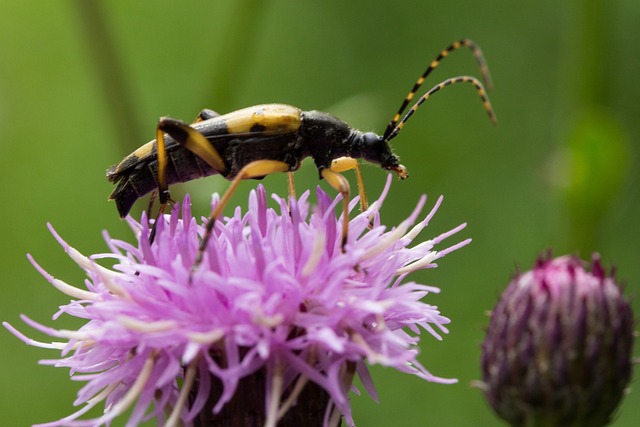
(482, 64)
(461, 79)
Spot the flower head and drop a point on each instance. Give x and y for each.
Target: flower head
(274, 295)
(558, 347)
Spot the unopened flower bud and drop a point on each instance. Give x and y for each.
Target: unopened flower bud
(558, 347)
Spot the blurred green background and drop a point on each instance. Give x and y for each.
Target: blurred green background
(83, 83)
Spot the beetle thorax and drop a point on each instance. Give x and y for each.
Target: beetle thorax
(326, 137)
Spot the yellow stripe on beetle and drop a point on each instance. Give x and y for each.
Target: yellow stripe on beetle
(269, 118)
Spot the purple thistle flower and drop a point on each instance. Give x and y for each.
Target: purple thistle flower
(558, 347)
(274, 295)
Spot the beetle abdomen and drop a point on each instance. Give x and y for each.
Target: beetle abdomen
(140, 178)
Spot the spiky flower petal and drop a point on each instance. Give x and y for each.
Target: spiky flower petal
(275, 295)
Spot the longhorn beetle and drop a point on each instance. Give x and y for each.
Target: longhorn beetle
(257, 141)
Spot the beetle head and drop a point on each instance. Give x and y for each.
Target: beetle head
(376, 149)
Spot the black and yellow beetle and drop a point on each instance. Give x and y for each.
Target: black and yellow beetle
(257, 141)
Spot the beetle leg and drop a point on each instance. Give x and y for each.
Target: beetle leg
(191, 139)
(163, 187)
(343, 164)
(152, 200)
(206, 114)
(340, 184)
(292, 185)
(292, 189)
(254, 169)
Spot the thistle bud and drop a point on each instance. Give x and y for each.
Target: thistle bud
(558, 347)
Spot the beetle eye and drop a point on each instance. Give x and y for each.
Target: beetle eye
(375, 149)
(371, 140)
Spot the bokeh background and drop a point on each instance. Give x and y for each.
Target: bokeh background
(83, 83)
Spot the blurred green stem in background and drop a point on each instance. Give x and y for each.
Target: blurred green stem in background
(233, 53)
(597, 160)
(594, 156)
(593, 25)
(111, 75)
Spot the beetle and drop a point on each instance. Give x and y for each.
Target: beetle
(260, 140)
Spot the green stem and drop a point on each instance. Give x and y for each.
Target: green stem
(594, 47)
(121, 107)
(233, 57)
